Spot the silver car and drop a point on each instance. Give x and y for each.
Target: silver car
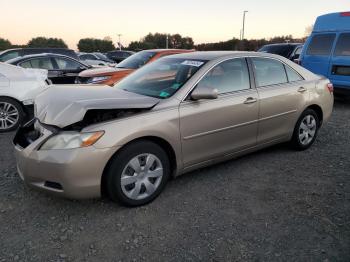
(175, 115)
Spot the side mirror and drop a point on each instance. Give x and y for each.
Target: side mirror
(204, 92)
(295, 57)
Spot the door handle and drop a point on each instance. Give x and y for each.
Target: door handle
(302, 89)
(250, 100)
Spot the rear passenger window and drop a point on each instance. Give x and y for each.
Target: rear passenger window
(343, 45)
(269, 72)
(321, 44)
(26, 64)
(42, 63)
(66, 64)
(292, 74)
(229, 76)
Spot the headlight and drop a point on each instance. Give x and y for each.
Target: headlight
(99, 79)
(70, 140)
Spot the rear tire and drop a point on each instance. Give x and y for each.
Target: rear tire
(306, 130)
(138, 173)
(11, 114)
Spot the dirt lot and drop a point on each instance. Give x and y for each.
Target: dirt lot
(274, 205)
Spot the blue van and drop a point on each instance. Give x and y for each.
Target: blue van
(327, 50)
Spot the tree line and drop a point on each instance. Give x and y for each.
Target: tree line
(153, 41)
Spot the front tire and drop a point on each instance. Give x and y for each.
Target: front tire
(11, 114)
(138, 173)
(306, 130)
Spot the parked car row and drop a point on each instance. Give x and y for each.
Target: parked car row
(68, 70)
(93, 59)
(110, 76)
(59, 69)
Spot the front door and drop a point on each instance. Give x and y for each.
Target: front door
(213, 128)
(68, 70)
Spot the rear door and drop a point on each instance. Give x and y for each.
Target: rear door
(42, 63)
(340, 63)
(282, 94)
(318, 53)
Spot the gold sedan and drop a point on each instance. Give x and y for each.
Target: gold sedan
(175, 115)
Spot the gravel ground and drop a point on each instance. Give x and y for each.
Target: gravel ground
(273, 205)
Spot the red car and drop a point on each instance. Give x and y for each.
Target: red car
(112, 75)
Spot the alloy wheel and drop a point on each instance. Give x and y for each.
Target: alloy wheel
(9, 115)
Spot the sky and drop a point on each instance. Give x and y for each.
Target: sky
(203, 20)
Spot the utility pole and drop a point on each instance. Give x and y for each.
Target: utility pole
(167, 42)
(244, 12)
(119, 43)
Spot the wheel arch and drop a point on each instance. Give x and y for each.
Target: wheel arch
(164, 144)
(12, 98)
(318, 111)
(25, 109)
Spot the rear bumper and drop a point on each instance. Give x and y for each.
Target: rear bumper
(72, 173)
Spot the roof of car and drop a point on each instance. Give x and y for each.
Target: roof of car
(121, 51)
(14, 60)
(169, 50)
(36, 48)
(284, 44)
(211, 55)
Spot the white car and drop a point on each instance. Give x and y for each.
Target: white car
(18, 89)
(96, 59)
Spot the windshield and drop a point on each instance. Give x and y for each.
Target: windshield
(8, 55)
(101, 56)
(283, 50)
(162, 78)
(137, 60)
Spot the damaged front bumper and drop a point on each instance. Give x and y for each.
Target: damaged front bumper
(73, 173)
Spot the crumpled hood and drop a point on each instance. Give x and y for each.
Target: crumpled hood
(102, 71)
(64, 105)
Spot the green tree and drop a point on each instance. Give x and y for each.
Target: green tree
(95, 45)
(158, 40)
(46, 42)
(4, 44)
(139, 45)
(246, 45)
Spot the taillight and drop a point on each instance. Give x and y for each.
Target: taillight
(330, 87)
(345, 14)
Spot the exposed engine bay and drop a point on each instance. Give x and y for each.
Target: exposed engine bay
(94, 116)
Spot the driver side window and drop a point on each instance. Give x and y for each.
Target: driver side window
(229, 76)
(66, 64)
